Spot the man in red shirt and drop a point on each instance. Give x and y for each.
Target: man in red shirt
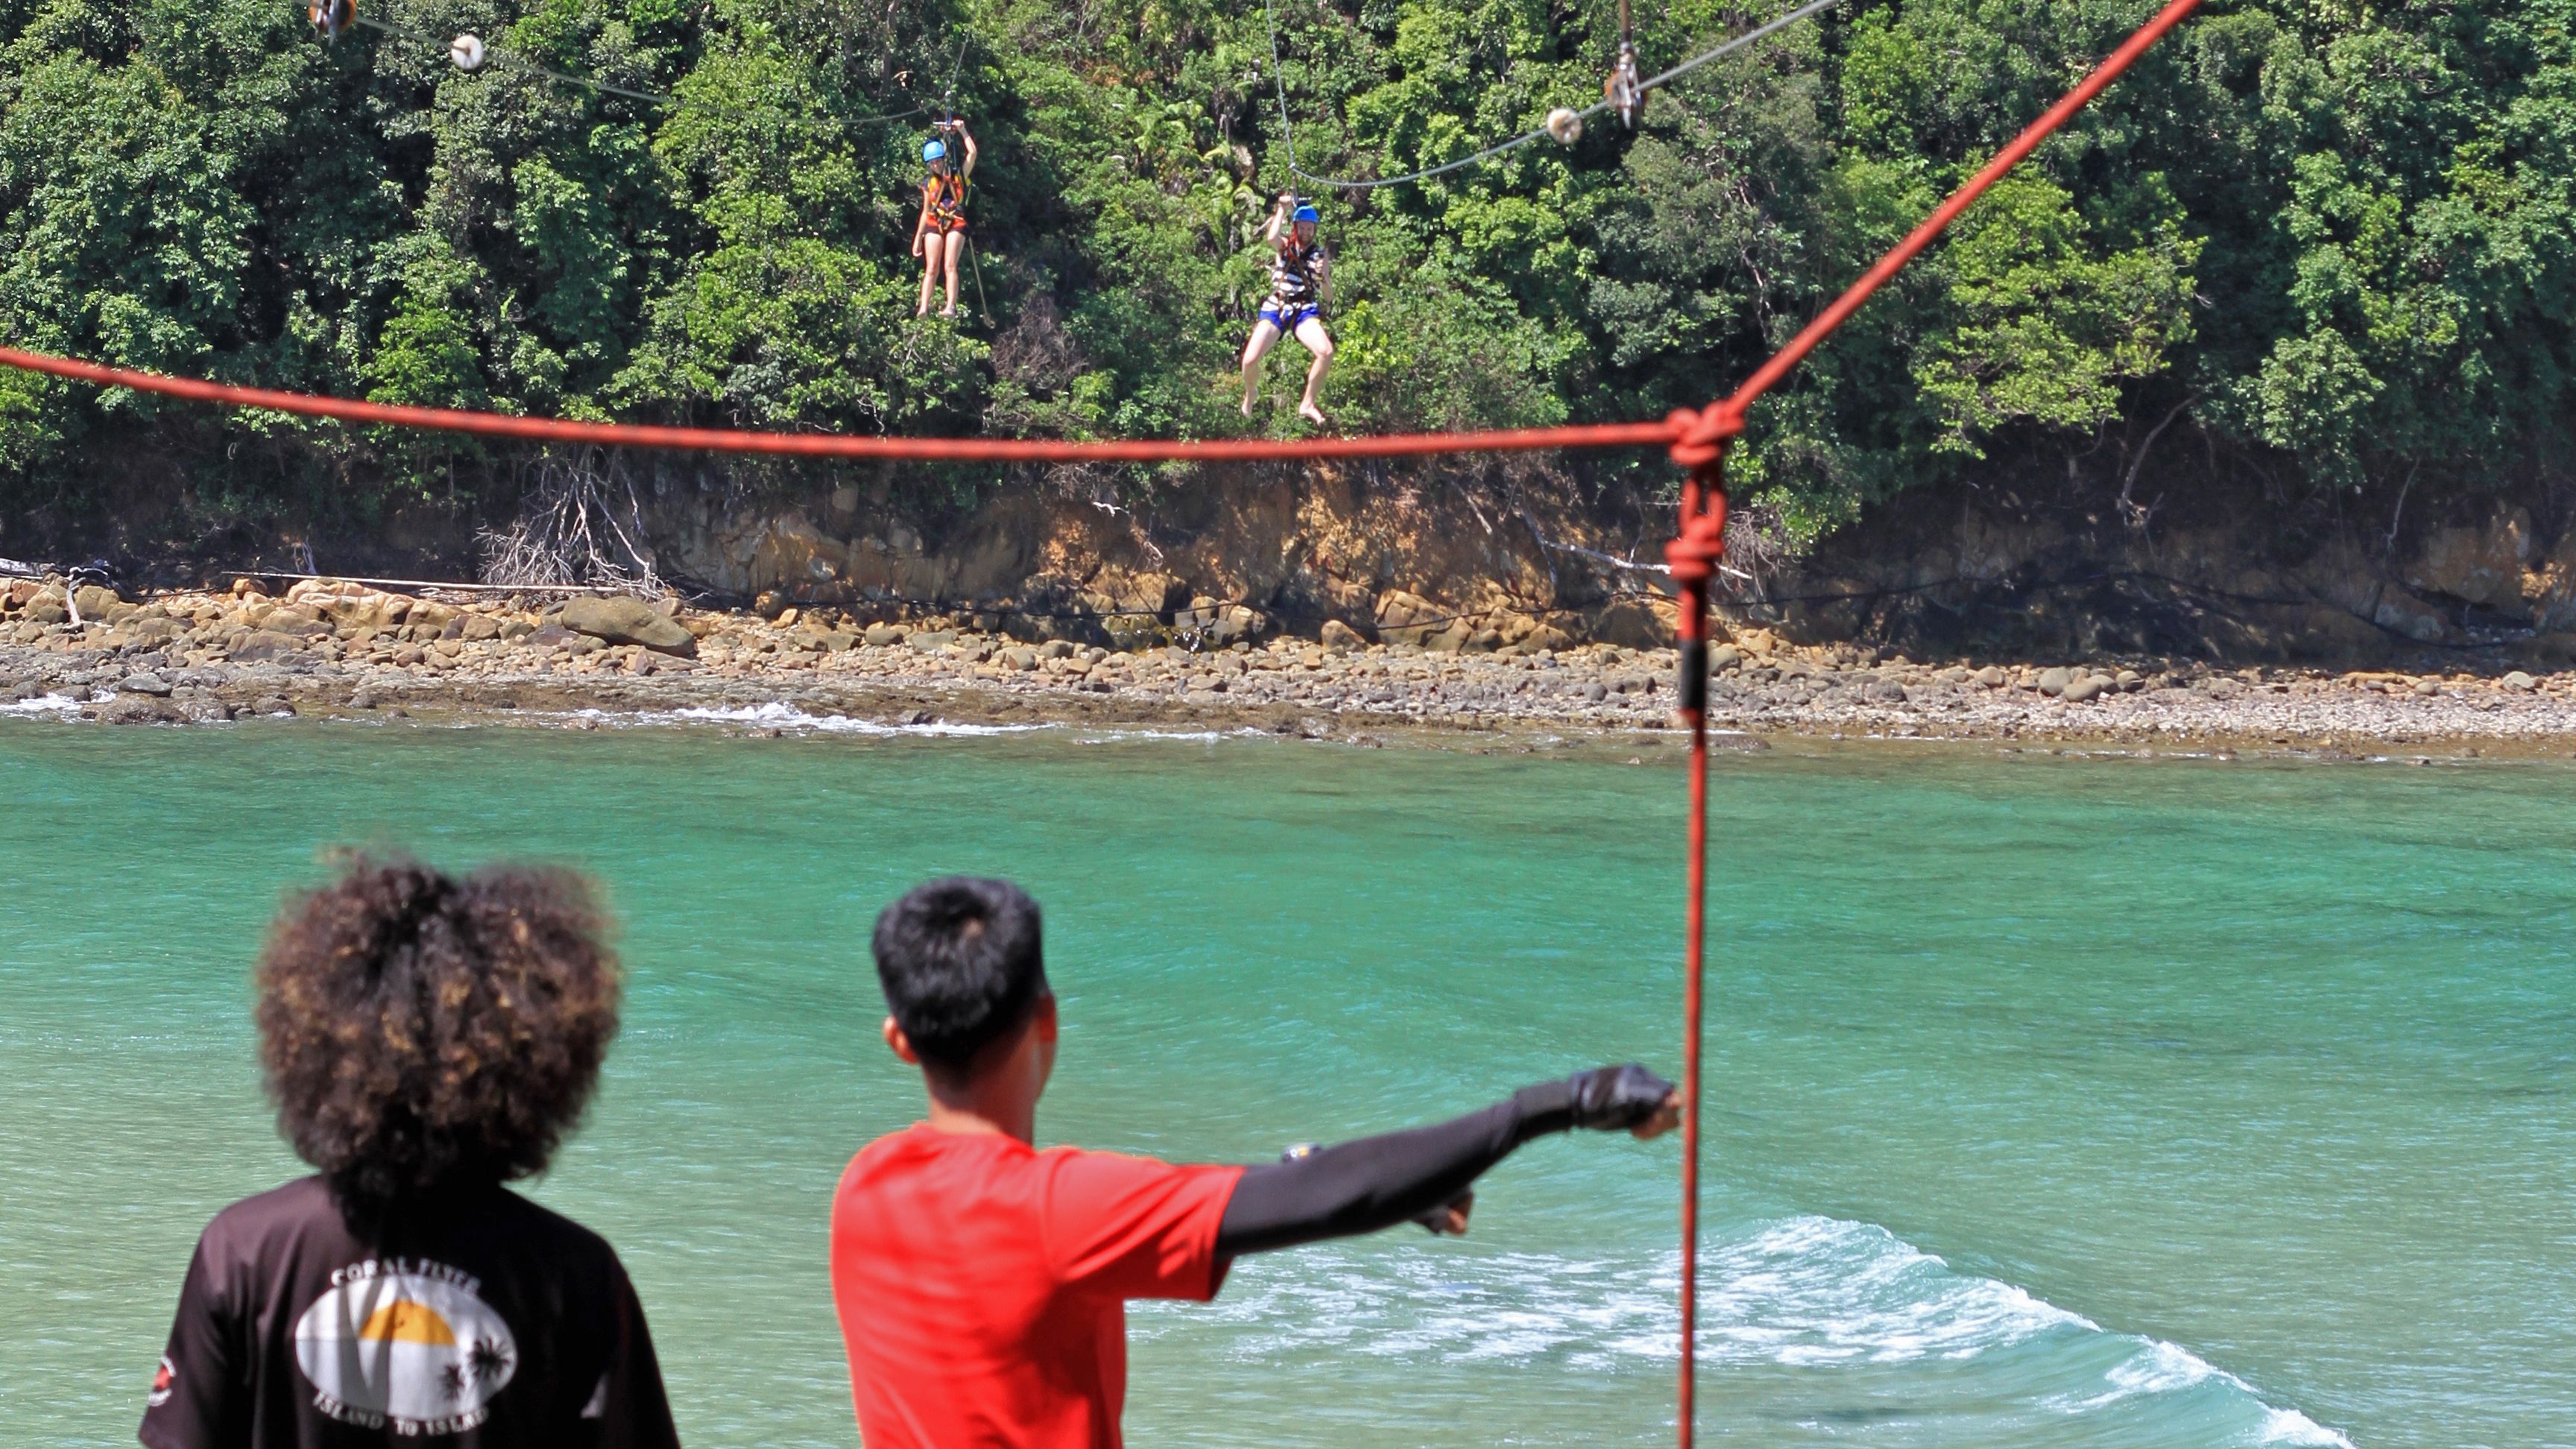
(982, 1283)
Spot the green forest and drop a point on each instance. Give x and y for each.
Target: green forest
(2325, 240)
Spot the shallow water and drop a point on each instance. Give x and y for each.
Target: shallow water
(2053, 1101)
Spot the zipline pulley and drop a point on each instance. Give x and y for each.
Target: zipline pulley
(331, 17)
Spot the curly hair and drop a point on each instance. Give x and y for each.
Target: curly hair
(421, 1031)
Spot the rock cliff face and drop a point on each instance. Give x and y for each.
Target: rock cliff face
(2239, 580)
(1480, 566)
(1248, 553)
(1352, 554)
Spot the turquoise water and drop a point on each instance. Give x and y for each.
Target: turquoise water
(2053, 1102)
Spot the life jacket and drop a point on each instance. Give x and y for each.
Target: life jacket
(1292, 274)
(943, 200)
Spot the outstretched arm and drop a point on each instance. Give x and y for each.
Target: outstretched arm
(1278, 217)
(1376, 1182)
(969, 168)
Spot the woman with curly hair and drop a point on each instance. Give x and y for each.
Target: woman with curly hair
(426, 1039)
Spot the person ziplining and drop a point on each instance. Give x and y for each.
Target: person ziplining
(939, 237)
(1300, 277)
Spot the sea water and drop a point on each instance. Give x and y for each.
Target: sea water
(2051, 1101)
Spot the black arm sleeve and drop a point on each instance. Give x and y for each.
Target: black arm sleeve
(1376, 1182)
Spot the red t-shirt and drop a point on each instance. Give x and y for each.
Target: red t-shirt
(982, 1284)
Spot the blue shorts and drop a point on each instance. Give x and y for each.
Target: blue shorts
(1295, 317)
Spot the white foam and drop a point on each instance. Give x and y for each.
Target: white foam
(2289, 1426)
(1806, 1293)
(42, 704)
(780, 716)
(775, 715)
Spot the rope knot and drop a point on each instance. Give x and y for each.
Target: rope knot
(1700, 435)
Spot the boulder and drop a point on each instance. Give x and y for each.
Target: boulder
(2519, 682)
(2053, 681)
(1408, 618)
(267, 644)
(2482, 565)
(1549, 637)
(2078, 690)
(620, 620)
(98, 603)
(880, 636)
(138, 709)
(1232, 623)
(1338, 635)
(145, 683)
(1635, 623)
(2410, 616)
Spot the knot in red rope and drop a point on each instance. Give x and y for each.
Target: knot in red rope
(1700, 435)
(1699, 444)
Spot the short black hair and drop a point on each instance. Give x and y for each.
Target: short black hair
(420, 1030)
(962, 965)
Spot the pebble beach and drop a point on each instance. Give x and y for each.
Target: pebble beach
(338, 649)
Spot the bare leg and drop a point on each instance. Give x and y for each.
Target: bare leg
(1265, 335)
(956, 245)
(1311, 332)
(931, 244)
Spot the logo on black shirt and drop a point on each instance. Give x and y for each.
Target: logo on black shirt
(161, 1384)
(405, 1342)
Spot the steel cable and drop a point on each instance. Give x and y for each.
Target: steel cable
(1279, 82)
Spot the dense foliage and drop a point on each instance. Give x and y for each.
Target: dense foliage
(2333, 236)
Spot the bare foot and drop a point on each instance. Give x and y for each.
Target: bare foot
(947, 311)
(1247, 405)
(1311, 413)
(922, 311)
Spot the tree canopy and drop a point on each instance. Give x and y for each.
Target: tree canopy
(2334, 235)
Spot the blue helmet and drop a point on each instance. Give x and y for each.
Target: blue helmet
(934, 151)
(1307, 213)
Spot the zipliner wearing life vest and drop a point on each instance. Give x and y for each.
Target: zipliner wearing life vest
(982, 1283)
(1300, 275)
(939, 238)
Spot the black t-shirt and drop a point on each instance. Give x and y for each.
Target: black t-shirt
(475, 1318)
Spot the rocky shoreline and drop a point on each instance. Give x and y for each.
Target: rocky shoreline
(340, 649)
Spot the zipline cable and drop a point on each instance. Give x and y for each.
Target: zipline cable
(1279, 82)
(514, 62)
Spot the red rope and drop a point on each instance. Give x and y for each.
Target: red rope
(1700, 446)
(836, 445)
